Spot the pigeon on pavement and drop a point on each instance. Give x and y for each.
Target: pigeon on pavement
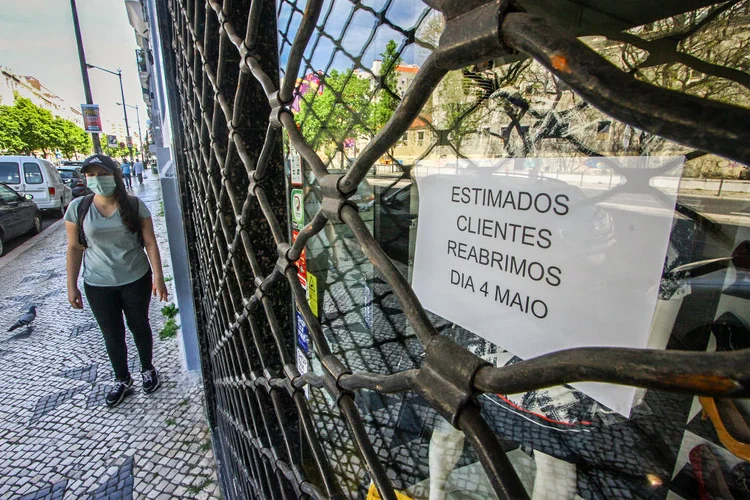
(25, 320)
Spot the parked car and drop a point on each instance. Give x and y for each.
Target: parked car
(18, 215)
(39, 178)
(73, 177)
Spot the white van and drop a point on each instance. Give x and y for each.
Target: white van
(39, 178)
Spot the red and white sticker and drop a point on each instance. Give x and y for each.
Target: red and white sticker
(301, 263)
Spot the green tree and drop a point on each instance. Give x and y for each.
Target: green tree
(338, 113)
(70, 138)
(35, 126)
(116, 153)
(349, 106)
(27, 128)
(82, 142)
(387, 98)
(10, 131)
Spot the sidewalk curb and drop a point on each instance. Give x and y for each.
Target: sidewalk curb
(30, 243)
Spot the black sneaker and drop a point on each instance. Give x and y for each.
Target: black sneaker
(151, 380)
(119, 391)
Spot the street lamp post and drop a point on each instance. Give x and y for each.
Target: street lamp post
(84, 71)
(118, 73)
(138, 119)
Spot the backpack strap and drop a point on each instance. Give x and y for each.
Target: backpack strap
(83, 209)
(134, 203)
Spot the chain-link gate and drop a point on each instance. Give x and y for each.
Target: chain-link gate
(282, 434)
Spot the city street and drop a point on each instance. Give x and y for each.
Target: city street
(47, 221)
(57, 437)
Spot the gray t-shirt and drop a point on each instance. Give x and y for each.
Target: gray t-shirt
(114, 255)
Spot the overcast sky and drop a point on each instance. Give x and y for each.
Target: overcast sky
(37, 39)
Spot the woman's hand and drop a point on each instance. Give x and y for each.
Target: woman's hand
(74, 297)
(159, 289)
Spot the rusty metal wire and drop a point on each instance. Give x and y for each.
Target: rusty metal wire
(232, 112)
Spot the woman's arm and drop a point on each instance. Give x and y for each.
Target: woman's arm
(73, 260)
(159, 288)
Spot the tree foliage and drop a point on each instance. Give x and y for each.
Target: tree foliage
(339, 112)
(117, 152)
(350, 105)
(70, 138)
(387, 98)
(35, 125)
(26, 128)
(10, 131)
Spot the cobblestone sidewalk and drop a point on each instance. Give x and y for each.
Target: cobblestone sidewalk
(57, 437)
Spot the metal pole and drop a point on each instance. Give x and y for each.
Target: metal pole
(84, 70)
(140, 136)
(125, 112)
(138, 119)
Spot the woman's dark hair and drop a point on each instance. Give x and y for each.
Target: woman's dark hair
(128, 214)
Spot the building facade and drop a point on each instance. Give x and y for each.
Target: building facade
(12, 84)
(144, 18)
(428, 330)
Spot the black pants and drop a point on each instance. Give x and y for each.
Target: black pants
(108, 303)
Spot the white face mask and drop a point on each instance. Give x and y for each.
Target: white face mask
(103, 185)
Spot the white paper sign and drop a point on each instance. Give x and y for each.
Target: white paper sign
(538, 264)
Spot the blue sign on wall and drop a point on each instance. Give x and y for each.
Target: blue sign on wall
(303, 337)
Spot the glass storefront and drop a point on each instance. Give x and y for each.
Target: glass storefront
(527, 221)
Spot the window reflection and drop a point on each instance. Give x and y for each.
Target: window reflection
(505, 118)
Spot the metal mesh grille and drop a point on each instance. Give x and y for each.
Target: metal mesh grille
(277, 443)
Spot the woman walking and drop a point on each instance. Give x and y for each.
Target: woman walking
(117, 277)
